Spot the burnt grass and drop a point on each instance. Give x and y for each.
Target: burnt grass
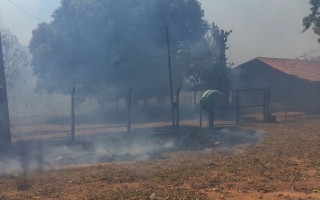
(141, 144)
(254, 161)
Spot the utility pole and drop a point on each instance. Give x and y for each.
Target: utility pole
(170, 79)
(5, 133)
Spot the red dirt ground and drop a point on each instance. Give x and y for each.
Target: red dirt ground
(285, 164)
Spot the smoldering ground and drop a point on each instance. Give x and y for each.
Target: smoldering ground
(115, 147)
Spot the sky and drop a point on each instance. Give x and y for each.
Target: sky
(260, 28)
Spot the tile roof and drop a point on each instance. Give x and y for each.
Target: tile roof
(302, 69)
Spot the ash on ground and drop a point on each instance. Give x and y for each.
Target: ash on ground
(115, 147)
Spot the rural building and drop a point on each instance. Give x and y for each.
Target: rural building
(294, 83)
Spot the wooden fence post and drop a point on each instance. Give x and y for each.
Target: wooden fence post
(200, 114)
(237, 107)
(178, 110)
(72, 115)
(266, 108)
(268, 102)
(129, 110)
(211, 119)
(265, 117)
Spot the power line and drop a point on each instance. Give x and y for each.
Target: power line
(25, 11)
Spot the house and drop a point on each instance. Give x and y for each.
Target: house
(294, 83)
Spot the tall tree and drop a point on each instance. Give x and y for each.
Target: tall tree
(313, 19)
(16, 59)
(206, 64)
(108, 46)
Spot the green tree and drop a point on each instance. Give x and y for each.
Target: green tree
(313, 19)
(205, 63)
(107, 46)
(311, 55)
(16, 59)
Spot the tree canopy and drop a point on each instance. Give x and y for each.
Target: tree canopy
(16, 59)
(313, 19)
(206, 64)
(107, 46)
(311, 55)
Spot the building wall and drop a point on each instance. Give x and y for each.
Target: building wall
(298, 94)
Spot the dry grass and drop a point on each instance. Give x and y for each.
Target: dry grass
(285, 164)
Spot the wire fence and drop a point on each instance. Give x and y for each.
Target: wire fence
(45, 116)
